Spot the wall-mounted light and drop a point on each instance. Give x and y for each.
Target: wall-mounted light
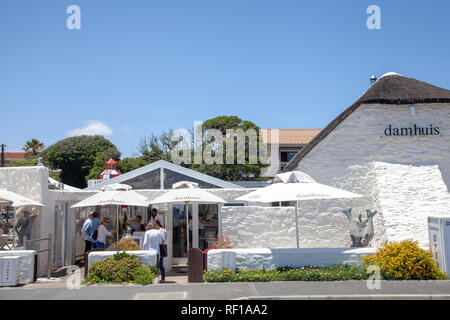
(412, 111)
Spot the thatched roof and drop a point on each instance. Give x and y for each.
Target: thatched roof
(390, 89)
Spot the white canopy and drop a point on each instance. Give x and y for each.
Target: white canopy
(112, 196)
(187, 191)
(296, 186)
(9, 198)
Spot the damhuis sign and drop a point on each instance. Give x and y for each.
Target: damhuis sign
(415, 130)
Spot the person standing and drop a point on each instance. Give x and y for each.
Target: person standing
(154, 217)
(103, 233)
(162, 250)
(92, 227)
(152, 240)
(87, 236)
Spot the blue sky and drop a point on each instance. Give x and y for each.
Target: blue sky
(142, 66)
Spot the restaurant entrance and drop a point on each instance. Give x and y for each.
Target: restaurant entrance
(203, 228)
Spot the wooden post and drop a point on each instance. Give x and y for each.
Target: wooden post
(195, 265)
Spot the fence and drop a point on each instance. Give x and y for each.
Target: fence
(49, 250)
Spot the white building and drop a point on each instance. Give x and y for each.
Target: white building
(393, 146)
(64, 224)
(283, 145)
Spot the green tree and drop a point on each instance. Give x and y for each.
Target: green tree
(155, 148)
(130, 164)
(159, 147)
(76, 156)
(33, 147)
(231, 172)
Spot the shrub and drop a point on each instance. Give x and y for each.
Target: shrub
(243, 276)
(121, 268)
(405, 260)
(332, 273)
(125, 244)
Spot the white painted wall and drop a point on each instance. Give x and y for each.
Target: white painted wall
(265, 258)
(274, 227)
(346, 159)
(419, 192)
(32, 182)
(26, 263)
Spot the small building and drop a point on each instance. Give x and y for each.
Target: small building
(283, 145)
(392, 146)
(11, 157)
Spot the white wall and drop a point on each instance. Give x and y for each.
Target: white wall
(265, 258)
(32, 182)
(406, 196)
(274, 227)
(345, 159)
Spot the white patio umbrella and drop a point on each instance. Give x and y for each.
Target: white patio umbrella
(117, 195)
(12, 199)
(187, 192)
(295, 186)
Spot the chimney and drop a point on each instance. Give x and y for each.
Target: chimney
(373, 79)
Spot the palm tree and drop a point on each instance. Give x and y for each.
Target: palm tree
(33, 147)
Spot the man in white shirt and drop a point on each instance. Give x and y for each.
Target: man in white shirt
(152, 238)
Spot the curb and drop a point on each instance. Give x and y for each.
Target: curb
(353, 297)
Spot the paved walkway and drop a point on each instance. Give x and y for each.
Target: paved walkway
(343, 290)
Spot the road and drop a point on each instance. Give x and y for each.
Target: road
(243, 291)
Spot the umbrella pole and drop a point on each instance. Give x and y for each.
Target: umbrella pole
(117, 223)
(187, 225)
(296, 223)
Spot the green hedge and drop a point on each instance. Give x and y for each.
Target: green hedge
(331, 273)
(121, 268)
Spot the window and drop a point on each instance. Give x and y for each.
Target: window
(286, 156)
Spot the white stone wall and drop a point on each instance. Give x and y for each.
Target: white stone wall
(26, 263)
(32, 182)
(274, 227)
(265, 258)
(407, 196)
(345, 159)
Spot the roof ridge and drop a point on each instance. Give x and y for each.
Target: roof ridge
(391, 89)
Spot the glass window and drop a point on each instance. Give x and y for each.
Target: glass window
(234, 204)
(208, 225)
(171, 177)
(179, 234)
(287, 156)
(149, 180)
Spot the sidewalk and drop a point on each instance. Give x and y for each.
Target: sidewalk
(343, 290)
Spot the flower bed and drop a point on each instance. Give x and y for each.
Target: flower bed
(331, 273)
(405, 260)
(121, 268)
